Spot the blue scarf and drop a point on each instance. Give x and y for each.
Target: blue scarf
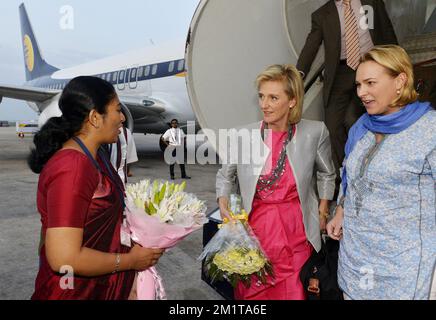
(388, 124)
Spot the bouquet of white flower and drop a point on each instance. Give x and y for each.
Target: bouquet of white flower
(168, 202)
(160, 214)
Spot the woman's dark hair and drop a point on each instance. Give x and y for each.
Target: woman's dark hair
(80, 96)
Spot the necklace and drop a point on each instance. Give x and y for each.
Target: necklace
(269, 182)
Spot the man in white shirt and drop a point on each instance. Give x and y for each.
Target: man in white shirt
(174, 138)
(122, 153)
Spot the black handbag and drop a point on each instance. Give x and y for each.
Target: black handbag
(319, 273)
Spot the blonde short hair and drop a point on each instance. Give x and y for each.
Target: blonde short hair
(395, 60)
(293, 82)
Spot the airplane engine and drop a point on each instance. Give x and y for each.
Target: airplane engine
(128, 116)
(52, 110)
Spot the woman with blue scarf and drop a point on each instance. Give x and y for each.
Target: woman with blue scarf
(386, 213)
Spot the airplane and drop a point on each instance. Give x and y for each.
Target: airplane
(150, 83)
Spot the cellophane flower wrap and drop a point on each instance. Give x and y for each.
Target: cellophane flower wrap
(160, 214)
(234, 253)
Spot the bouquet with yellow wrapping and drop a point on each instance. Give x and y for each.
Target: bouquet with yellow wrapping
(235, 254)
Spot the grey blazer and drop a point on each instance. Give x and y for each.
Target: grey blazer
(309, 154)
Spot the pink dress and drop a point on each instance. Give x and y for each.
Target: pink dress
(277, 221)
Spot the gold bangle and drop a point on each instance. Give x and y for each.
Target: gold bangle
(117, 263)
(324, 214)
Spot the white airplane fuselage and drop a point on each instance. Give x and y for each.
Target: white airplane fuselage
(135, 79)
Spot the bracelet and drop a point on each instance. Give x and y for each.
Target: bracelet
(117, 263)
(324, 214)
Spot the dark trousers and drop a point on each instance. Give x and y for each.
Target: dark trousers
(182, 166)
(182, 169)
(342, 111)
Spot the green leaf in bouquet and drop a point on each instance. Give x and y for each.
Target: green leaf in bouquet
(162, 192)
(172, 186)
(182, 186)
(146, 208)
(246, 280)
(152, 209)
(269, 269)
(218, 276)
(233, 280)
(155, 186)
(261, 276)
(156, 199)
(242, 250)
(213, 269)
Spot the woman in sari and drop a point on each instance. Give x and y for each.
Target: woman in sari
(81, 200)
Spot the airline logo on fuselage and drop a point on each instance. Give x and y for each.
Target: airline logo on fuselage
(28, 53)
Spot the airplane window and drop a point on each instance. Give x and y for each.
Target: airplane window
(114, 76)
(133, 74)
(147, 71)
(103, 76)
(154, 70)
(171, 66)
(140, 72)
(180, 65)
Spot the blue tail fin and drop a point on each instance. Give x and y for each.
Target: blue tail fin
(35, 65)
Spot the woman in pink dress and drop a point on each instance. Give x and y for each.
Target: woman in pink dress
(285, 211)
(81, 200)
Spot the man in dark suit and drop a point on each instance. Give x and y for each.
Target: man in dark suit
(340, 24)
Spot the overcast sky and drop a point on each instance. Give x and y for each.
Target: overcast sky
(100, 28)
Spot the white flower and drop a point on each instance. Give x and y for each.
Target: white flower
(167, 201)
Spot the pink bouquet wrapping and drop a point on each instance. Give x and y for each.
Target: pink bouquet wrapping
(160, 215)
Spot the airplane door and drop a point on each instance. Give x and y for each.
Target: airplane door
(230, 43)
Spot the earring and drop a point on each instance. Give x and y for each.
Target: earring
(398, 91)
